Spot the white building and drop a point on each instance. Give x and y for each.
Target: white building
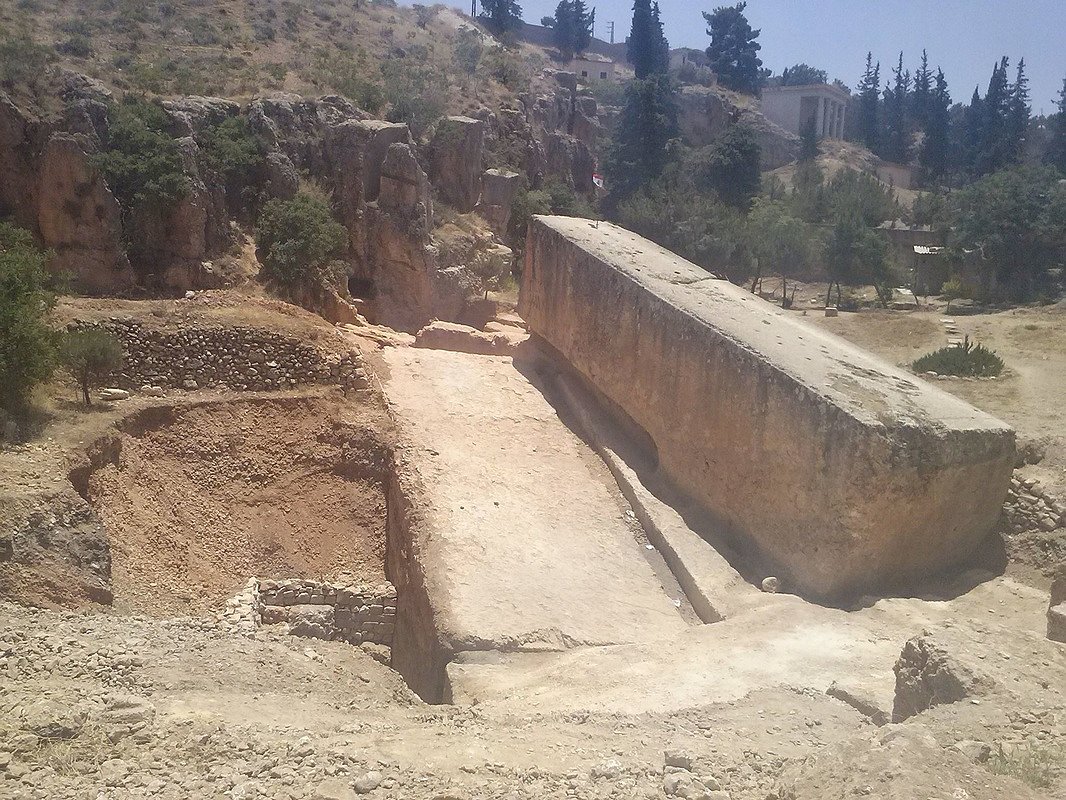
(593, 66)
(793, 106)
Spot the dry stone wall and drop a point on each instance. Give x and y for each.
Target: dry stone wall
(819, 461)
(237, 357)
(353, 613)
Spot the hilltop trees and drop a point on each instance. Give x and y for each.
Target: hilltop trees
(896, 145)
(572, 27)
(935, 154)
(733, 52)
(1015, 220)
(501, 16)
(869, 89)
(1056, 152)
(647, 48)
(638, 153)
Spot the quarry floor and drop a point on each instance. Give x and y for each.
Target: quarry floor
(578, 659)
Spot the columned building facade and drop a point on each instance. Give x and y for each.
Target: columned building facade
(792, 107)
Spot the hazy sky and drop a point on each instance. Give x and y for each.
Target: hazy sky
(965, 37)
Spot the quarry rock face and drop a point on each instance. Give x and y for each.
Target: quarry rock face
(705, 114)
(835, 470)
(80, 220)
(456, 154)
(498, 190)
(928, 674)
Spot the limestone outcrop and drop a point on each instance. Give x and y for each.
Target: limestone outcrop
(498, 190)
(706, 113)
(822, 464)
(455, 156)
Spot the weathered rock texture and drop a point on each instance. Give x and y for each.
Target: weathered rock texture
(455, 158)
(237, 357)
(928, 674)
(1056, 612)
(706, 113)
(834, 469)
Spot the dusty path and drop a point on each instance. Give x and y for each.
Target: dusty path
(531, 546)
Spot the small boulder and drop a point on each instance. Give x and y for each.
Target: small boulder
(367, 783)
(114, 395)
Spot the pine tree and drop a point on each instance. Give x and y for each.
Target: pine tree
(572, 27)
(972, 132)
(640, 48)
(1056, 152)
(936, 147)
(896, 142)
(869, 91)
(501, 16)
(661, 46)
(733, 52)
(994, 148)
(1018, 114)
(638, 152)
(923, 90)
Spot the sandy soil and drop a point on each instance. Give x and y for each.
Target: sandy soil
(202, 498)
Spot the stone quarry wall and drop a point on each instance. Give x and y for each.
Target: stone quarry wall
(835, 470)
(352, 613)
(238, 357)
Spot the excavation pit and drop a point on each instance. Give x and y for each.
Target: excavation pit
(197, 498)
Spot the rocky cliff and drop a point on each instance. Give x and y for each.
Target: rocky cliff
(381, 181)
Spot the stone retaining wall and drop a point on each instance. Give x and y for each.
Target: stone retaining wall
(237, 357)
(817, 460)
(357, 614)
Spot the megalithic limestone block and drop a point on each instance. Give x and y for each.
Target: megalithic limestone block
(837, 470)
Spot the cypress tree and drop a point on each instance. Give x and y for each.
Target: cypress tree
(661, 47)
(994, 149)
(639, 48)
(572, 27)
(973, 127)
(935, 151)
(896, 145)
(923, 90)
(1018, 114)
(733, 52)
(638, 153)
(869, 90)
(501, 16)
(1056, 152)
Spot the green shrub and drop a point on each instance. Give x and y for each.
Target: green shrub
(22, 60)
(90, 355)
(141, 163)
(27, 344)
(507, 69)
(414, 92)
(468, 50)
(608, 93)
(78, 46)
(232, 151)
(965, 360)
(298, 242)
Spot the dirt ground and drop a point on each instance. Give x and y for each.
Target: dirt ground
(201, 498)
(154, 699)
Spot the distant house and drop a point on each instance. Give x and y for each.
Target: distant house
(593, 66)
(792, 107)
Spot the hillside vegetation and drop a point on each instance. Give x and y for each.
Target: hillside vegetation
(405, 62)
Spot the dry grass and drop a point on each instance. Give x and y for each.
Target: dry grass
(243, 49)
(79, 755)
(1034, 763)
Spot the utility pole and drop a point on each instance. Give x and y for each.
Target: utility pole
(610, 29)
(473, 9)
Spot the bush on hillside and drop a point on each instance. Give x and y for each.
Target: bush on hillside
(141, 163)
(965, 360)
(27, 343)
(90, 355)
(298, 242)
(22, 60)
(232, 151)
